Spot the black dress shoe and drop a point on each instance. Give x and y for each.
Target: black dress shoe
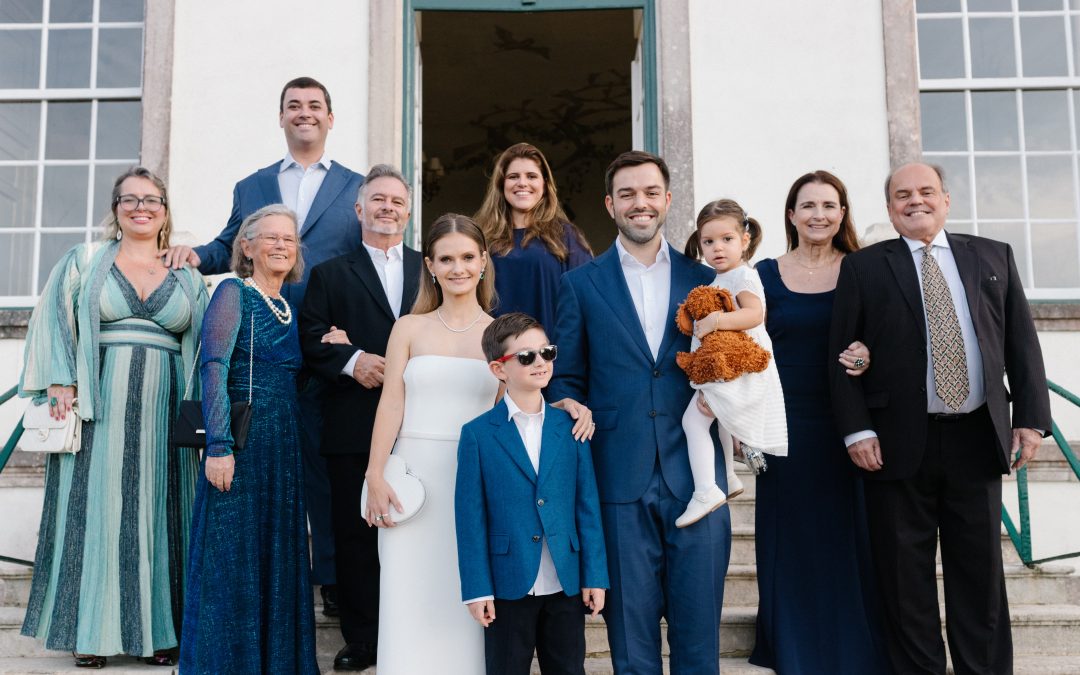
(329, 600)
(355, 656)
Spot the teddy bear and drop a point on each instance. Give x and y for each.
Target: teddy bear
(723, 354)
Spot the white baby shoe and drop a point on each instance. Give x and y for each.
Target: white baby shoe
(701, 504)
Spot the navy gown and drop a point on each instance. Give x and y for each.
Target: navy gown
(818, 608)
(249, 602)
(527, 279)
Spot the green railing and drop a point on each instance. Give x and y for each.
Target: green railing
(1021, 537)
(5, 454)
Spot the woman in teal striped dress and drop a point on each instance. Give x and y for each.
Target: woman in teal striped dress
(115, 330)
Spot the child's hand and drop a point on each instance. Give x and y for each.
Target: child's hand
(484, 611)
(703, 327)
(593, 599)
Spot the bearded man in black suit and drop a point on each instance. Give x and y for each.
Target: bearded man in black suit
(945, 317)
(351, 304)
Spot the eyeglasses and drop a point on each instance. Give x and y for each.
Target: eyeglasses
(527, 356)
(275, 239)
(130, 203)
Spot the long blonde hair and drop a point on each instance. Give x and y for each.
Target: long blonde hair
(430, 295)
(111, 222)
(545, 221)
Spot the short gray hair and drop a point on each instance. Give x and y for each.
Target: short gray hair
(936, 167)
(249, 229)
(383, 171)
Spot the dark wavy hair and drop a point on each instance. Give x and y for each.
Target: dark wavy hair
(845, 240)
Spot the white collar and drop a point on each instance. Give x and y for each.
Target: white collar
(396, 250)
(940, 241)
(290, 162)
(626, 257)
(513, 409)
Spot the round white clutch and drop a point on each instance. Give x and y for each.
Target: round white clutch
(408, 488)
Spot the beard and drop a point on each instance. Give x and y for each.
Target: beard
(636, 234)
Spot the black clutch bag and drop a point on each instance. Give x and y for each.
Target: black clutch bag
(189, 429)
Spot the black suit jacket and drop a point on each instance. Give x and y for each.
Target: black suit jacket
(345, 292)
(879, 301)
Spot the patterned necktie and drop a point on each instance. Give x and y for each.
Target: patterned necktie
(946, 342)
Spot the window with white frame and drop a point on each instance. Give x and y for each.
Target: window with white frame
(70, 119)
(999, 85)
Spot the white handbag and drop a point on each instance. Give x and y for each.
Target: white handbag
(408, 488)
(42, 433)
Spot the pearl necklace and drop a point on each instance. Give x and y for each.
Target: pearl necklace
(457, 330)
(283, 317)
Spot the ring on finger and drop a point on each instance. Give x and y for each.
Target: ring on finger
(859, 363)
(378, 518)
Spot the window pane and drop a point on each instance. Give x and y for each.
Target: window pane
(69, 59)
(989, 5)
(53, 246)
(941, 48)
(1053, 250)
(1050, 187)
(119, 57)
(18, 192)
(118, 129)
(19, 125)
(992, 48)
(104, 177)
(20, 11)
(68, 130)
(929, 6)
(1043, 42)
(16, 263)
(1076, 40)
(63, 202)
(121, 10)
(1041, 5)
(960, 227)
(994, 121)
(958, 180)
(20, 52)
(1046, 120)
(997, 187)
(944, 125)
(1012, 234)
(71, 11)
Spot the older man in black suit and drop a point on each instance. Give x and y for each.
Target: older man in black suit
(945, 317)
(351, 305)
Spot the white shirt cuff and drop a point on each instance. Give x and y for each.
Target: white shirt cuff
(481, 599)
(347, 371)
(852, 439)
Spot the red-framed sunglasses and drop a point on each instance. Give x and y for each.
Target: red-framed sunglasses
(527, 356)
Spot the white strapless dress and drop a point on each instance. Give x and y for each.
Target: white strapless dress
(423, 625)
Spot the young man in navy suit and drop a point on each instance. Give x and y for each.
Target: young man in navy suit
(528, 515)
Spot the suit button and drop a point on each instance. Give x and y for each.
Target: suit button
(539, 502)
(652, 413)
(922, 389)
(656, 373)
(536, 537)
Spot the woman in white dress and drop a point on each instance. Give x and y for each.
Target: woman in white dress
(436, 380)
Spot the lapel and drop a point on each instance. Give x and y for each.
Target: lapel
(902, 264)
(607, 275)
(550, 440)
(410, 282)
(507, 435)
(682, 282)
(268, 184)
(967, 263)
(329, 190)
(361, 265)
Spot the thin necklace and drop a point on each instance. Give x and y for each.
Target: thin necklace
(284, 317)
(151, 268)
(812, 268)
(457, 330)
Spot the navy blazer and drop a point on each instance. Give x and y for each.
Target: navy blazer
(330, 229)
(605, 362)
(504, 510)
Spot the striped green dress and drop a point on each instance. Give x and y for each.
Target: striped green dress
(112, 547)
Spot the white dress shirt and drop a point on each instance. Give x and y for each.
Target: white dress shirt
(531, 428)
(650, 289)
(299, 186)
(390, 267)
(942, 252)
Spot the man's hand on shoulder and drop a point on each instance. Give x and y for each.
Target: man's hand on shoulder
(866, 454)
(179, 256)
(1027, 441)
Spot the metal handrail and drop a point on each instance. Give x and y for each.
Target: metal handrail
(1021, 536)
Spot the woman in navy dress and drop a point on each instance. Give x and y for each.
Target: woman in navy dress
(530, 239)
(817, 610)
(249, 602)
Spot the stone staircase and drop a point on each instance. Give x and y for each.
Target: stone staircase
(1045, 601)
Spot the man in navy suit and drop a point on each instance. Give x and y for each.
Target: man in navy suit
(530, 542)
(618, 339)
(322, 193)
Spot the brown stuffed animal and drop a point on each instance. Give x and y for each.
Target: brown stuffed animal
(723, 354)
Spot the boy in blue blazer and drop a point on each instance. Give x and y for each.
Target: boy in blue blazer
(528, 515)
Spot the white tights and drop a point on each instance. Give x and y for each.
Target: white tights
(699, 446)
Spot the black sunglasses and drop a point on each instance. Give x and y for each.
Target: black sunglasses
(526, 357)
